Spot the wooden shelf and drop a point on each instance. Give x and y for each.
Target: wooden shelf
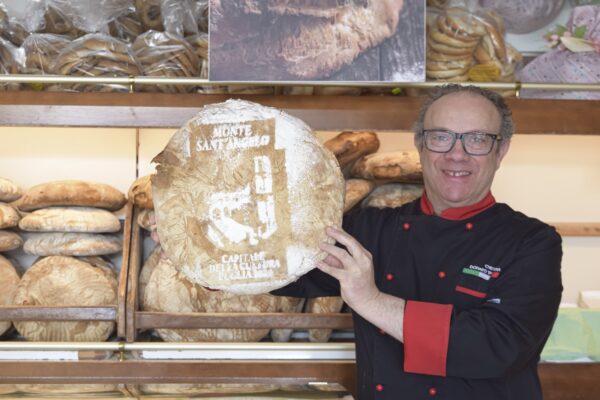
(161, 110)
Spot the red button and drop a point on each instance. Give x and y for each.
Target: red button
(389, 277)
(441, 274)
(406, 226)
(379, 387)
(469, 226)
(432, 391)
(381, 332)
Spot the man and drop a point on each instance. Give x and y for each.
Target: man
(453, 295)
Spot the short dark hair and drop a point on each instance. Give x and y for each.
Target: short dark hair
(506, 127)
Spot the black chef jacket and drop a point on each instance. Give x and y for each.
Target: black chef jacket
(482, 295)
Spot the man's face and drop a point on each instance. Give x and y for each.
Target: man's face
(457, 179)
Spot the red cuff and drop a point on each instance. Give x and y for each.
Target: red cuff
(426, 334)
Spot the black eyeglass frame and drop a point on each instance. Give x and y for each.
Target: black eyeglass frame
(458, 135)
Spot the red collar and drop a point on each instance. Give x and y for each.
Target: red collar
(459, 213)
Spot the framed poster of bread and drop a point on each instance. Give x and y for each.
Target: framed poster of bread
(307, 40)
(242, 196)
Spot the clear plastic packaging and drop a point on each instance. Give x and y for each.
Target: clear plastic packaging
(58, 19)
(11, 62)
(95, 16)
(127, 26)
(179, 17)
(524, 16)
(41, 49)
(96, 55)
(150, 14)
(165, 54)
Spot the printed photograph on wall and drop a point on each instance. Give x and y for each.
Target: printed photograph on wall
(311, 40)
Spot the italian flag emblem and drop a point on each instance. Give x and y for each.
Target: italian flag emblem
(486, 272)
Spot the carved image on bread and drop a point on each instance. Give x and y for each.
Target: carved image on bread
(303, 39)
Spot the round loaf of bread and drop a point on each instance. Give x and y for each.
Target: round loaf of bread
(393, 195)
(9, 191)
(72, 193)
(168, 290)
(9, 279)
(242, 389)
(6, 388)
(66, 281)
(9, 217)
(322, 305)
(350, 146)
(242, 195)
(140, 192)
(395, 166)
(70, 219)
(10, 240)
(72, 244)
(69, 389)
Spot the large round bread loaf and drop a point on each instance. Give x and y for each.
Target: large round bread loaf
(72, 244)
(168, 290)
(9, 191)
(9, 217)
(72, 193)
(9, 279)
(242, 196)
(10, 240)
(66, 281)
(70, 219)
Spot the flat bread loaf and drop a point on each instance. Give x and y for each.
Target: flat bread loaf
(356, 190)
(9, 191)
(395, 166)
(9, 217)
(242, 196)
(168, 290)
(140, 192)
(72, 244)
(71, 193)
(10, 240)
(9, 279)
(66, 281)
(393, 195)
(70, 219)
(69, 389)
(350, 146)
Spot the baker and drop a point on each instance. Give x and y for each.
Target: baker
(453, 295)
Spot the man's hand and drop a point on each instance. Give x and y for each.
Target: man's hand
(353, 267)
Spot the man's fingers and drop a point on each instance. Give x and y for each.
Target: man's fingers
(354, 248)
(333, 271)
(341, 254)
(333, 261)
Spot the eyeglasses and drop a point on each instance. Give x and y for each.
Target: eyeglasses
(474, 143)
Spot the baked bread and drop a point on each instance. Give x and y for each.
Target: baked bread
(71, 193)
(140, 192)
(41, 49)
(209, 388)
(146, 219)
(356, 190)
(72, 244)
(10, 240)
(9, 217)
(349, 146)
(66, 281)
(293, 48)
(70, 219)
(54, 389)
(286, 305)
(145, 274)
(9, 191)
(168, 290)
(242, 196)
(396, 166)
(149, 13)
(322, 305)
(393, 195)
(9, 279)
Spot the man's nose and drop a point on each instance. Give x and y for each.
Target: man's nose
(457, 152)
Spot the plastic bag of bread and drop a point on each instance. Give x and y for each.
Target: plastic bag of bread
(201, 13)
(40, 50)
(95, 17)
(466, 43)
(96, 55)
(575, 59)
(126, 26)
(58, 19)
(11, 62)
(150, 14)
(24, 18)
(179, 17)
(165, 54)
(524, 16)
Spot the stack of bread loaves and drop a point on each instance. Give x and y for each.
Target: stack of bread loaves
(66, 219)
(9, 216)
(464, 45)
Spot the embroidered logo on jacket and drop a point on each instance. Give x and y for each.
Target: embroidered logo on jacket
(486, 272)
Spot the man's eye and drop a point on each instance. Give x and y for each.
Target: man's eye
(441, 138)
(478, 139)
